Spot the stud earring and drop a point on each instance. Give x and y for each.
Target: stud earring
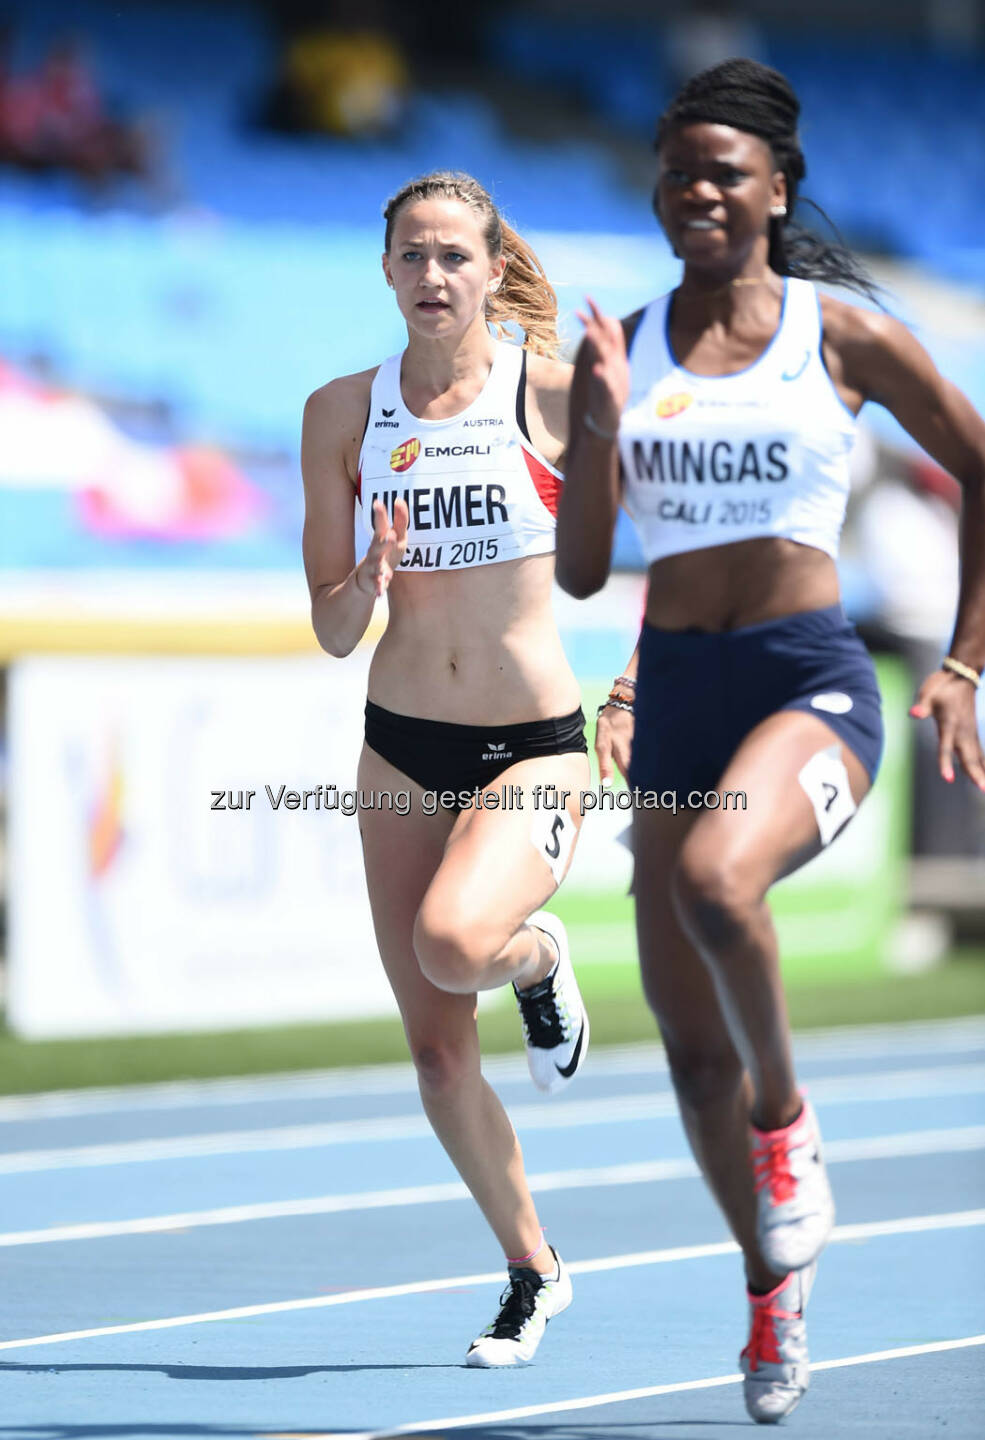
(778, 211)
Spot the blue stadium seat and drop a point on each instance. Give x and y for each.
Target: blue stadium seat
(280, 236)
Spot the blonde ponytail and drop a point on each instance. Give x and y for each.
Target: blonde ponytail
(525, 296)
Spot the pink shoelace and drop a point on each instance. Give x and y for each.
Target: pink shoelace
(771, 1166)
(762, 1347)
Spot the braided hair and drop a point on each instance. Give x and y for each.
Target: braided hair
(754, 98)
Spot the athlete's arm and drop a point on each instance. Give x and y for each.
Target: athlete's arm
(614, 726)
(882, 361)
(548, 388)
(342, 593)
(592, 488)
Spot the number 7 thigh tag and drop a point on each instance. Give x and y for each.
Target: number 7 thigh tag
(552, 835)
(825, 782)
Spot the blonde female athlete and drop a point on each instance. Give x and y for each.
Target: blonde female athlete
(452, 450)
(722, 415)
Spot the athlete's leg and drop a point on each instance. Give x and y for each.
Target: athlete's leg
(713, 1091)
(701, 883)
(500, 865)
(402, 854)
(727, 864)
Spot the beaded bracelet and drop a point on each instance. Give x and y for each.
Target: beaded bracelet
(626, 680)
(613, 703)
(958, 667)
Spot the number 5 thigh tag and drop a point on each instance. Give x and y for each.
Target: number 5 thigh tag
(552, 835)
(825, 781)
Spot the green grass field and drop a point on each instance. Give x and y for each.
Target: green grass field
(611, 989)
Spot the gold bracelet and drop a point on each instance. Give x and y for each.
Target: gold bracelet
(958, 667)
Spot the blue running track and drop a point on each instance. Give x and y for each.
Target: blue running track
(294, 1256)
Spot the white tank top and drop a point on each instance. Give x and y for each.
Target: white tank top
(712, 459)
(477, 491)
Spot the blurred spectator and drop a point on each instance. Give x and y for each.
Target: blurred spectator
(956, 24)
(906, 529)
(347, 78)
(56, 119)
(19, 108)
(703, 34)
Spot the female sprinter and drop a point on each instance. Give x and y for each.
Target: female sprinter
(726, 432)
(452, 448)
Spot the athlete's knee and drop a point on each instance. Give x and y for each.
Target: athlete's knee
(442, 1065)
(715, 898)
(703, 1077)
(448, 949)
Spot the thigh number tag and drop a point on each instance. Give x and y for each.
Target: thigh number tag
(825, 781)
(552, 835)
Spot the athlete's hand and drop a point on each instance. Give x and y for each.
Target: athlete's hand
(386, 549)
(613, 742)
(951, 701)
(608, 382)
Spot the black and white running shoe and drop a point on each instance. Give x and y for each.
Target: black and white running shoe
(555, 1022)
(525, 1307)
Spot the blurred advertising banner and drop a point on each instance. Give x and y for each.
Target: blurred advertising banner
(134, 905)
(137, 907)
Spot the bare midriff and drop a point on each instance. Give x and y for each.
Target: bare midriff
(727, 587)
(478, 647)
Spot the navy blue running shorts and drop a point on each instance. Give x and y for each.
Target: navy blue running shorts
(699, 695)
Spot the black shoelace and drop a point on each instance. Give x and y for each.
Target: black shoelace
(540, 1015)
(517, 1303)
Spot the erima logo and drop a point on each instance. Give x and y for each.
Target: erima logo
(672, 405)
(388, 413)
(497, 752)
(404, 456)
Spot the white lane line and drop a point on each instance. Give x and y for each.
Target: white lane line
(618, 1397)
(935, 1082)
(643, 1172)
(851, 1041)
(871, 1230)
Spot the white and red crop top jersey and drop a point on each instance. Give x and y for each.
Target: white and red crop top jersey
(476, 489)
(709, 459)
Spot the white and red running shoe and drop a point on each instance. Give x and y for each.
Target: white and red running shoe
(774, 1362)
(795, 1208)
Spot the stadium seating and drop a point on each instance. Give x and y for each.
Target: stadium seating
(264, 281)
(892, 132)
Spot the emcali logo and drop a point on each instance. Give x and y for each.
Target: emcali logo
(404, 456)
(672, 405)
